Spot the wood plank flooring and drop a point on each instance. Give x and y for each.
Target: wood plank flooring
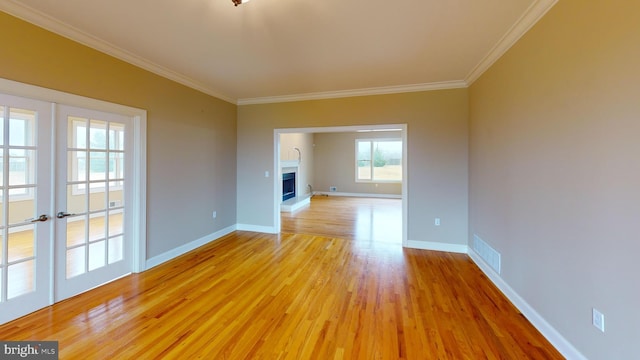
(292, 296)
(362, 219)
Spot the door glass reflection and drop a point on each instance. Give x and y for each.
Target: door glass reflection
(116, 252)
(76, 261)
(76, 230)
(21, 244)
(97, 255)
(21, 279)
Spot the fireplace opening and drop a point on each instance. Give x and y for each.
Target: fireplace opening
(288, 186)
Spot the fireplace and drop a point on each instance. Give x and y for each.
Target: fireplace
(288, 185)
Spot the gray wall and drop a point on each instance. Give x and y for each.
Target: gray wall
(554, 171)
(335, 163)
(437, 131)
(191, 164)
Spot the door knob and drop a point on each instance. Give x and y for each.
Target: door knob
(42, 217)
(62, 215)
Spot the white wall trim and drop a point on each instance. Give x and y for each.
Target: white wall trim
(455, 84)
(436, 246)
(139, 206)
(530, 17)
(333, 129)
(549, 332)
(47, 22)
(59, 97)
(364, 195)
(181, 250)
(257, 228)
(277, 186)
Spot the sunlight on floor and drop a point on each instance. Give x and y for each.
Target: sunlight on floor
(379, 222)
(367, 220)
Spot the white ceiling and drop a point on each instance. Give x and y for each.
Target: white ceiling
(279, 50)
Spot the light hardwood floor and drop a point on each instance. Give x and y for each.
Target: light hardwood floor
(362, 219)
(293, 296)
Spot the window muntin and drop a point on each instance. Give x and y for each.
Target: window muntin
(105, 155)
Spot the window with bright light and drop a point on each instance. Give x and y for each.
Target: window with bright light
(20, 151)
(102, 160)
(378, 160)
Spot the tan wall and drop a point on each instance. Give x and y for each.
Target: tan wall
(554, 174)
(437, 153)
(76, 203)
(335, 163)
(304, 142)
(191, 164)
(19, 211)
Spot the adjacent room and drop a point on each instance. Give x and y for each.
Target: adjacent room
(357, 170)
(320, 179)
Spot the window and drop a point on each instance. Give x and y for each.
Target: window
(20, 151)
(379, 160)
(104, 162)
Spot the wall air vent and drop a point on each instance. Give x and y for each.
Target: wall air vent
(487, 253)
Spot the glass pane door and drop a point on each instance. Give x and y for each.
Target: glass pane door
(25, 202)
(87, 195)
(92, 205)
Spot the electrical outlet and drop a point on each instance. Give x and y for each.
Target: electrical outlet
(598, 319)
(333, 188)
(437, 222)
(215, 214)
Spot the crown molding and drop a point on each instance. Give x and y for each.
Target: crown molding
(456, 84)
(530, 17)
(47, 22)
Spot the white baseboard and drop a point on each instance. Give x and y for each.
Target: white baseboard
(367, 195)
(171, 254)
(256, 228)
(436, 246)
(549, 332)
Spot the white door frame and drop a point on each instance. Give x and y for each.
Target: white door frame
(277, 184)
(139, 177)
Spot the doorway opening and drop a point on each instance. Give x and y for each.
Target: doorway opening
(282, 166)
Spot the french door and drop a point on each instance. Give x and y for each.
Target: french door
(25, 208)
(92, 238)
(64, 229)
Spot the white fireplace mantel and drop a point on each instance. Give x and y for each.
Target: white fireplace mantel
(289, 163)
